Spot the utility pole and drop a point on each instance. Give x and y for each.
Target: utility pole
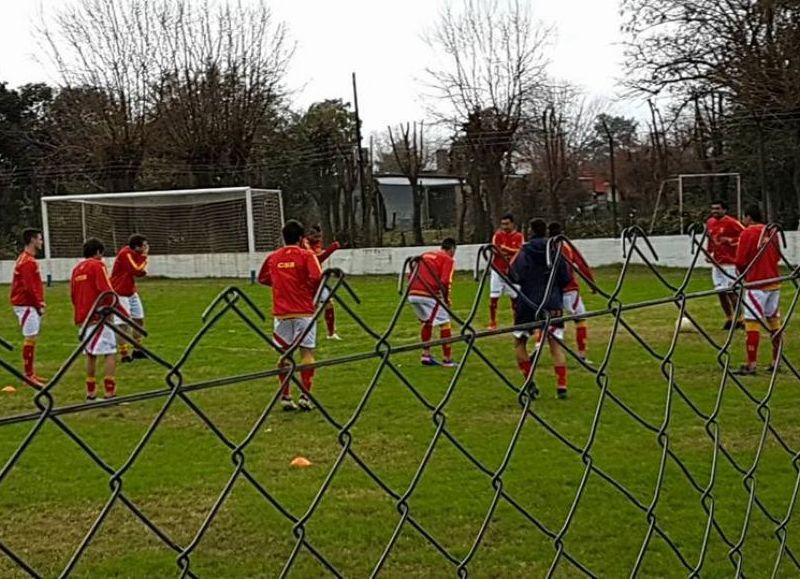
(365, 202)
(613, 169)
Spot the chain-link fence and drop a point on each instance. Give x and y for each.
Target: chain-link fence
(234, 302)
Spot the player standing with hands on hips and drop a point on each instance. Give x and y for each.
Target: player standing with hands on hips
(508, 242)
(27, 299)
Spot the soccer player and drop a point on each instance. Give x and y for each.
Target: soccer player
(27, 299)
(723, 238)
(531, 270)
(573, 302)
(313, 241)
(294, 274)
(508, 241)
(88, 282)
(761, 265)
(431, 284)
(131, 262)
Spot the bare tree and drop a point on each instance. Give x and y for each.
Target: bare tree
(410, 154)
(492, 64)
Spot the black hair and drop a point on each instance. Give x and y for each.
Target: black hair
(93, 246)
(754, 213)
(316, 228)
(538, 227)
(554, 229)
(448, 243)
(30, 234)
(136, 241)
(721, 203)
(508, 216)
(293, 231)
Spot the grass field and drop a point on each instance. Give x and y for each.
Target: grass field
(50, 499)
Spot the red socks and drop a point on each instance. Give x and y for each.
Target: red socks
(91, 387)
(307, 379)
(493, 310)
(426, 333)
(110, 386)
(525, 367)
(581, 339)
(330, 320)
(752, 347)
(561, 376)
(28, 354)
(447, 349)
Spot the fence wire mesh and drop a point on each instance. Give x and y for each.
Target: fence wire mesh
(637, 248)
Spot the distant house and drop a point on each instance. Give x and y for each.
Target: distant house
(441, 196)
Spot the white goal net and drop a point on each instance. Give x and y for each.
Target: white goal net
(225, 230)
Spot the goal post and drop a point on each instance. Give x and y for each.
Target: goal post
(234, 225)
(683, 177)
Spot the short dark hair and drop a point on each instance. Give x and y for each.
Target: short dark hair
(316, 228)
(508, 216)
(754, 213)
(92, 247)
(721, 203)
(448, 243)
(136, 240)
(293, 231)
(538, 227)
(30, 234)
(554, 229)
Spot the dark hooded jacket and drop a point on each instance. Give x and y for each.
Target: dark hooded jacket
(531, 270)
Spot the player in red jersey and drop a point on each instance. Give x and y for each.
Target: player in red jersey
(294, 274)
(131, 262)
(758, 255)
(431, 283)
(573, 302)
(723, 239)
(508, 241)
(27, 299)
(90, 280)
(313, 241)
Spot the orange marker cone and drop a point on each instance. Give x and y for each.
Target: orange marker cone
(9, 389)
(301, 462)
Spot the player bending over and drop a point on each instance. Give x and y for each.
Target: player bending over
(508, 241)
(90, 280)
(27, 299)
(313, 241)
(131, 262)
(531, 270)
(431, 284)
(573, 302)
(763, 298)
(294, 274)
(723, 239)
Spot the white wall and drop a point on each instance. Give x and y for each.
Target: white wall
(673, 251)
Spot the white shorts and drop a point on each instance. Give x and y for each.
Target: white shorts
(763, 305)
(526, 334)
(323, 295)
(719, 277)
(498, 287)
(29, 321)
(132, 305)
(288, 331)
(573, 303)
(104, 343)
(428, 310)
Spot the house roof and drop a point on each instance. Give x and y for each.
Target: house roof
(425, 180)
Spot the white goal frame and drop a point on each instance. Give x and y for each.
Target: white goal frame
(246, 192)
(700, 175)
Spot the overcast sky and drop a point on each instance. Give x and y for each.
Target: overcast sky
(386, 50)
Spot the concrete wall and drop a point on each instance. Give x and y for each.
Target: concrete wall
(673, 251)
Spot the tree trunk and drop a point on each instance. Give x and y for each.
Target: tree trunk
(416, 219)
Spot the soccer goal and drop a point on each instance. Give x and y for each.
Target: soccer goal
(695, 186)
(223, 230)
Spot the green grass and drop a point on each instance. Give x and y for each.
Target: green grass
(55, 492)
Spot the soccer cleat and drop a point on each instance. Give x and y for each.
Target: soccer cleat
(91, 397)
(727, 325)
(126, 359)
(139, 354)
(745, 370)
(492, 326)
(449, 363)
(428, 360)
(771, 368)
(335, 336)
(305, 403)
(288, 404)
(740, 325)
(37, 380)
(561, 393)
(109, 395)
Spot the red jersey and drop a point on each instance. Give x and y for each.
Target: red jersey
(509, 244)
(767, 264)
(723, 238)
(321, 252)
(89, 280)
(575, 261)
(128, 265)
(435, 271)
(26, 284)
(294, 274)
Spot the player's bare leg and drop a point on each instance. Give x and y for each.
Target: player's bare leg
(523, 358)
(559, 364)
(285, 382)
(493, 313)
(728, 302)
(109, 381)
(125, 348)
(306, 379)
(138, 354)
(582, 338)
(777, 338)
(751, 341)
(330, 322)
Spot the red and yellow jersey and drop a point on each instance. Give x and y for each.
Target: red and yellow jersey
(433, 275)
(26, 283)
(766, 264)
(575, 261)
(294, 274)
(321, 252)
(128, 265)
(89, 280)
(509, 243)
(723, 238)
